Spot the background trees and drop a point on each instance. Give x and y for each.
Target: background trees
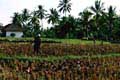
(111, 15)
(64, 6)
(40, 13)
(16, 19)
(85, 20)
(53, 16)
(97, 11)
(95, 22)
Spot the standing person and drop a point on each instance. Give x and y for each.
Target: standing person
(37, 43)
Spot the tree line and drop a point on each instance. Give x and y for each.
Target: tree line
(94, 22)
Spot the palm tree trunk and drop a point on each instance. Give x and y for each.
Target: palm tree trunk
(41, 23)
(87, 32)
(110, 35)
(65, 14)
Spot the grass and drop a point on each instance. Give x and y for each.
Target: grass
(65, 41)
(56, 58)
(12, 38)
(75, 41)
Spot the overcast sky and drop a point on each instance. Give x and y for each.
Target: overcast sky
(8, 7)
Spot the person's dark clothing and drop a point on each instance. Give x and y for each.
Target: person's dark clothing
(37, 42)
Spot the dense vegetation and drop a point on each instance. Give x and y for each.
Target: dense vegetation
(60, 57)
(94, 22)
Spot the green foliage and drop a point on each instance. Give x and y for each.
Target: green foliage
(54, 58)
(93, 23)
(64, 6)
(53, 17)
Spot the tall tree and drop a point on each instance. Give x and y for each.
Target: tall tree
(35, 25)
(85, 21)
(22, 20)
(97, 10)
(66, 27)
(65, 6)
(103, 29)
(53, 17)
(110, 20)
(25, 15)
(16, 19)
(41, 13)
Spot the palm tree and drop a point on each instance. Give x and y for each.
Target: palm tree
(41, 13)
(25, 16)
(103, 30)
(85, 20)
(53, 17)
(98, 10)
(65, 6)
(16, 19)
(110, 20)
(67, 26)
(22, 19)
(35, 24)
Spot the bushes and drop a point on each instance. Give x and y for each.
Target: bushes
(58, 49)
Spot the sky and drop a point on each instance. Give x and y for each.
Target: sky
(8, 7)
